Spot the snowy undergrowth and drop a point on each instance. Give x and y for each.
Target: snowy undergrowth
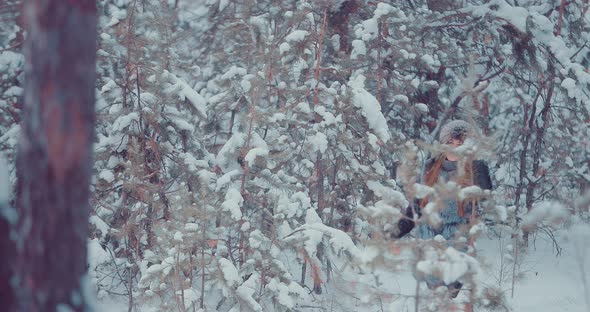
(545, 282)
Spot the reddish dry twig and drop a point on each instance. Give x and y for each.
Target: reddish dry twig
(316, 74)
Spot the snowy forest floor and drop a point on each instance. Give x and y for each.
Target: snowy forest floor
(546, 281)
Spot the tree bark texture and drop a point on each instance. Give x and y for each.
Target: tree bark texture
(46, 248)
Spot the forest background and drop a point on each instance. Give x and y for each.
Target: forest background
(257, 155)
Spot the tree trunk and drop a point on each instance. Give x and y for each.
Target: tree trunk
(47, 245)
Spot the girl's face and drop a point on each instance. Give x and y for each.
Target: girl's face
(455, 142)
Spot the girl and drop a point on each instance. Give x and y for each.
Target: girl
(454, 213)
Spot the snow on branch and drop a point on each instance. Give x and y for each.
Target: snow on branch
(547, 212)
(391, 203)
(539, 29)
(232, 203)
(246, 291)
(313, 232)
(450, 266)
(370, 107)
(181, 88)
(230, 272)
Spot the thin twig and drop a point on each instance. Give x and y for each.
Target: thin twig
(14, 47)
(561, 7)
(316, 74)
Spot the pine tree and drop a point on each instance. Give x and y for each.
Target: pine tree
(54, 163)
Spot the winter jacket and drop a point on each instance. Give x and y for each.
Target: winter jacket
(450, 217)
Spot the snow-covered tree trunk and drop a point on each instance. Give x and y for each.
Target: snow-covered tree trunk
(47, 242)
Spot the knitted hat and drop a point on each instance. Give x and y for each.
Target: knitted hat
(455, 129)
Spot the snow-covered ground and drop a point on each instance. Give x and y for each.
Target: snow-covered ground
(545, 282)
(548, 282)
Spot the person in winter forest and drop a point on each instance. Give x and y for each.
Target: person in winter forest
(455, 214)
